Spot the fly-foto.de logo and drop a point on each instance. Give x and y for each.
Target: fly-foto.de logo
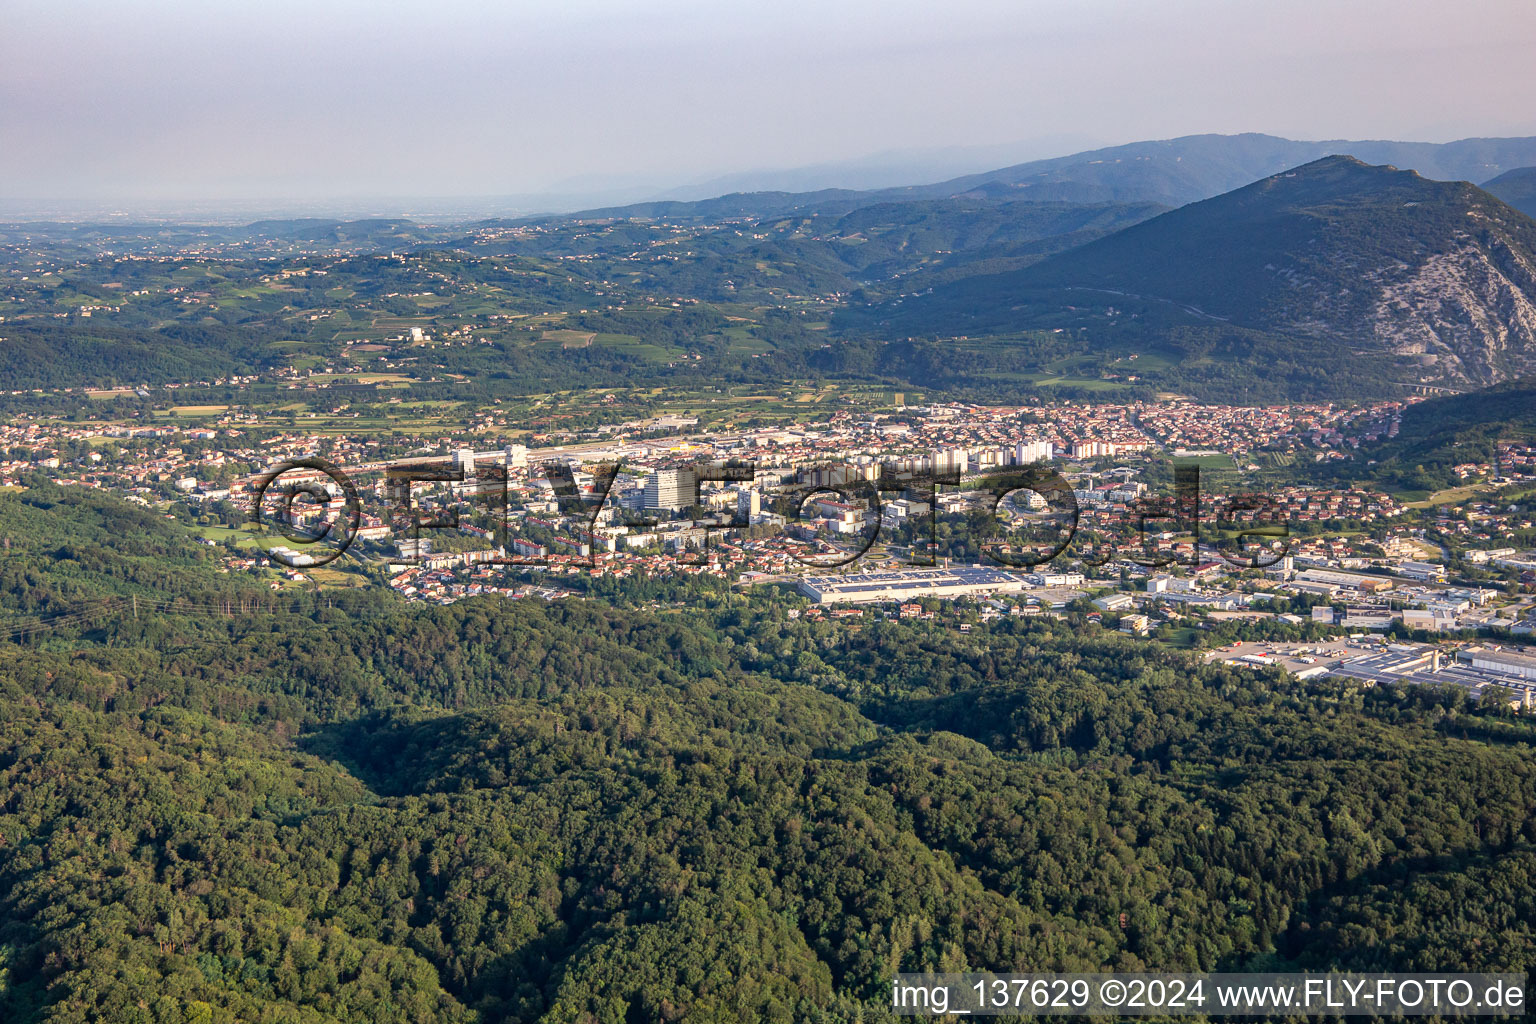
(823, 515)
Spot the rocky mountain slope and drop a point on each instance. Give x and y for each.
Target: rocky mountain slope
(1441, 276)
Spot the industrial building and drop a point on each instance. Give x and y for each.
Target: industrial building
(1515, 663)
(1475, 669)
(908, 585)
(1345, 580)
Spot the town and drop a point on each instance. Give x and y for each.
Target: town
(876, 511)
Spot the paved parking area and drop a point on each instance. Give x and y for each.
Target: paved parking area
(1299, 656)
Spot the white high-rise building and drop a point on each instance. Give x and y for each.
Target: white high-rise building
(1093, 449)
(1026, 452)
(954, 458)
(669, 489)
(517, 456)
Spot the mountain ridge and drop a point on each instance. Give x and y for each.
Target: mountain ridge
(1231, 161)
(1440, 276)
(1169, 172)
(1517, 188)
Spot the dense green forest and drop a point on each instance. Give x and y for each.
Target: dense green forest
(339, 807)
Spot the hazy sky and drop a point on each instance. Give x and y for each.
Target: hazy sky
(162, 99)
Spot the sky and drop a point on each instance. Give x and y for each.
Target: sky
(164, 100)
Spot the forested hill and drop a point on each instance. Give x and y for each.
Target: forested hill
(1438, 277)
(1505, 411)
(1439, 434)
(1517, 188)
(586, 811)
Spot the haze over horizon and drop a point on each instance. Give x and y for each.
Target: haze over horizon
(170, 103)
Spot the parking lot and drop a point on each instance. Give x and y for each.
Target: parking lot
(1298, 656)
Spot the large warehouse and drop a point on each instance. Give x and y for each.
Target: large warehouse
(1519, 663)
(909, 585)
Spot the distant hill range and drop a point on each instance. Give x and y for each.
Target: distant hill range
(287, 236)
(1167, 172)
(1440, 276)
(1517, 188)
(378, 231)
(1241, 266)
(1184, 170)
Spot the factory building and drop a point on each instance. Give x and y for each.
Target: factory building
(909, 585)
(1501, 662)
